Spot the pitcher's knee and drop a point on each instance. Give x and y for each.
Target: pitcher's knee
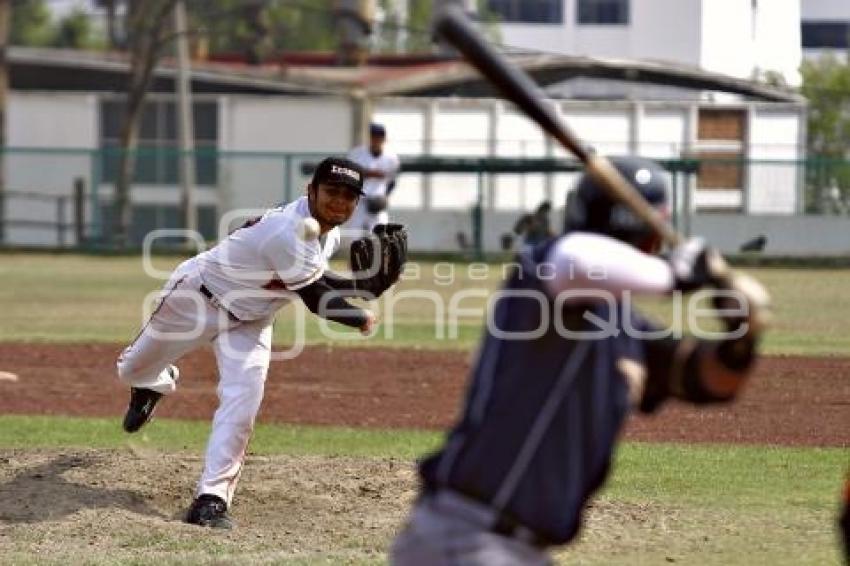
(125, 369)
(131, 371)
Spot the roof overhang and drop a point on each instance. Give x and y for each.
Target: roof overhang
(459, 79)
(60, 69)
(67, 69)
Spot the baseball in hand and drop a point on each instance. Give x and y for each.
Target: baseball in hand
(310, 229)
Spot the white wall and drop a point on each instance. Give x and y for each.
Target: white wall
(725, 36)
(264, 125)
(774, 136)
(52, 120)
(660, 130)
(607, 130)
(46, 120)
(666, 30)
(287, 124)
(259, 130)
(815, 54)
(779, 39)
(649, 35)
(550, 38)
(728, 42)
(825, 9)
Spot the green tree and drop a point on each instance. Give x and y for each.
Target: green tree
(237, 26)
(77, 32)
(419, 24)
(826, 85)
(31, 24)
(253, 27)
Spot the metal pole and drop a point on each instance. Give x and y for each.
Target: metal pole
(478, 219)
(676, 174)
(79, 211)
(287, 185)
(687, 204)
(186, 125)
(5, 16)
(60, 221)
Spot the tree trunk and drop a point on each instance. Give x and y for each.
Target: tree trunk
(5, 17)
(127, 164)
(111, 31)
(146, 33)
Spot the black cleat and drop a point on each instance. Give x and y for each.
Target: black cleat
(209, 511)
(142, 404)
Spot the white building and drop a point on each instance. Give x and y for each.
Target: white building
(741, 38)
(826, 28)
(255, 127)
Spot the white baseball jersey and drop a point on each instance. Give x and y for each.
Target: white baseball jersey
(251, 271)
(387, 162)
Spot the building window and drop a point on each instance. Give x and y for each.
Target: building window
(830, 35)
(157, 160)
(528, 11)
(604, 12)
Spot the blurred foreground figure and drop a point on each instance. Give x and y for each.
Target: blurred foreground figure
(563, 360)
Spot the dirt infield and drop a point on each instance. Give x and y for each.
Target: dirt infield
(791, 400)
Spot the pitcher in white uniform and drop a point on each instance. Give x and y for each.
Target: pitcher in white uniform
(380, 168)
(227, 297)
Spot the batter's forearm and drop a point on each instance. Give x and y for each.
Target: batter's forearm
(580, 261)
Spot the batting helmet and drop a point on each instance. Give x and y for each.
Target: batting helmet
(590, 209)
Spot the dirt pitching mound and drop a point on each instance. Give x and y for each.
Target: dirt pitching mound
(123, 506)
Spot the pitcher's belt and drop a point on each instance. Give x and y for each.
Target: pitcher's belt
(216, 303)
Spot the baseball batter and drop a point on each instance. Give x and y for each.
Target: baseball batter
(380, 168)
(227, 297)
(561, 363)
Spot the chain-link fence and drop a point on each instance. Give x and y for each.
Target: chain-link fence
(66, 198)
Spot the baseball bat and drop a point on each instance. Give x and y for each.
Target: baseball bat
(517, 87)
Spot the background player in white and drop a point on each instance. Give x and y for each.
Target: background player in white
(227, 297)
(380, 168)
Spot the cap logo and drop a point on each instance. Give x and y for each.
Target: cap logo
(346, 171)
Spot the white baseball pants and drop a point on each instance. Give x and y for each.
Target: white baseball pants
(184, 321)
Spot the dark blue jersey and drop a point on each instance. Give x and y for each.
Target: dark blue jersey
(543, 410)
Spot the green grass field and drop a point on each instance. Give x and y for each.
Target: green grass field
(70, 298)
(704, 504)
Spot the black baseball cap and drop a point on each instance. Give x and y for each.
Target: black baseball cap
(376, 129)
(339, 171)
